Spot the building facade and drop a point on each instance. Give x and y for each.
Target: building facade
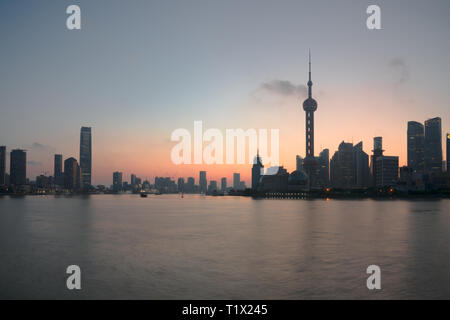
(433, 146)
(386, 171)
(117, 181)
(257, 172)
(203, 182)
(18, 167)
(416, 145)
(86, 156)
(72, 174)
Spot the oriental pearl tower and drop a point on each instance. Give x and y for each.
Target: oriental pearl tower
(310, 163)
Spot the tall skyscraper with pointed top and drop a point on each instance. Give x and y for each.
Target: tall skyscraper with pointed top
(257, 171)
(310, 106)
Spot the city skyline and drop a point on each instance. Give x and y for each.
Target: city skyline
(371, 85)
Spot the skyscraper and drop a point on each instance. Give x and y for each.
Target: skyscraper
(2, 165)
(324, 167)
(416, 146)
(377, 152)
(71, 174)
(298, 163)
(361, 162)
(57, 171)
(180, 185)
(203, 182)
(117, 181)
(342, 167)
(236, 181)
(18, 167)
(190, 185)
(85, 156)
(257, 171)
(212, 186)
(310, 106)
(223, 184)
(433, 145)
(386, 171)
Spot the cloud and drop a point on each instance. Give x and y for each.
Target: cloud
(284, 88)
(36, 146)
(34, 163)
(401, 69)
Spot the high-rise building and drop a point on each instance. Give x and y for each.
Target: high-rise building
(342, 167)
(117, 181)
(71, 174)
(361, 162)
(416, 140)
(203, 183)
(298, 163)
(57, 170)
(2, 165)
(133, 180)
(448, 152)
(236, 181)
(86, 156)
(180, 184)
(324, 168)
(433, 146)
(223, 184)
(377, 152)
(257, 171)
(190, 185)
(18, 167)
(386, 171)
(212, 186)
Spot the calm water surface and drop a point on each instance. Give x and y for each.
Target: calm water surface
(166, 247)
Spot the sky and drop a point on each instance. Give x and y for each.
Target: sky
(138, 70)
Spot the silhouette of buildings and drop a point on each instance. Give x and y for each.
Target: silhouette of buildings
(180, 184)
(165, 185)
(223, 184)
(86, 157)
(257, 171)
(377, 152)
(386, 168)
(212, 188)
(236, 181)
(324, 168)
(342, 167)
(18, 167)
(2, 165)
(117, 181)
(190, 185)
(362, 170)
(433, 145)
(298, 163)
(415, 146)
(349, 167)
(72, 174)
(57, 170)
(203, 182)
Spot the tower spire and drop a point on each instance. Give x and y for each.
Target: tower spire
(309, 81)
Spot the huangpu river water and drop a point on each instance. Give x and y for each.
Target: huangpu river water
(197, 247)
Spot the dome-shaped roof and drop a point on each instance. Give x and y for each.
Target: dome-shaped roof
(310, 105)
(297, 177)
